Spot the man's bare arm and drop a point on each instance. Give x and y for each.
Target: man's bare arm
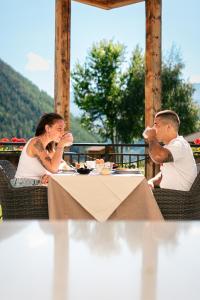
(158, 153)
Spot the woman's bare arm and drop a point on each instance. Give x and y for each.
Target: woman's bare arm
(50, 162)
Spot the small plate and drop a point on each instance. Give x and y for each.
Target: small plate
(127, 171)
(66, 171)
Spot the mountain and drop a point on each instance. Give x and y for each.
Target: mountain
(196, 95)
(21, 105)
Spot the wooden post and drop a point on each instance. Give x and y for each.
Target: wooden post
(153, 65)
(62, 59)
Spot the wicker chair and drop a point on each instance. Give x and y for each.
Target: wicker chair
(180, 205)
(21, 203)
(8, 167)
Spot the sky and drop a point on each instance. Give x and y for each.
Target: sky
(27, 34)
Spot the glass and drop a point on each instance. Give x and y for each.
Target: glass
(99, 168)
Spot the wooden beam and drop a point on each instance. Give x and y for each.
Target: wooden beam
(153, 63)
(108, 4)
(120, 3)
(62, 59)
(98, 3)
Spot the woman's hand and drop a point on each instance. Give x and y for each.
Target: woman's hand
(44, 179)
(66, 140)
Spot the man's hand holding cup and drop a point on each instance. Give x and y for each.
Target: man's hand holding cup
(149, 133)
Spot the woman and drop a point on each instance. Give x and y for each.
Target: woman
(40, 157)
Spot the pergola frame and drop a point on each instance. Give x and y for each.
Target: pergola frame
(153, 9)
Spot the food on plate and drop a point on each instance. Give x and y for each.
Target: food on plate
(126, 167)
(123, 169)
(80, 165)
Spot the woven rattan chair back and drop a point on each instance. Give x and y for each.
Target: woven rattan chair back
(24, 202)
(8, 168)
(7, 172)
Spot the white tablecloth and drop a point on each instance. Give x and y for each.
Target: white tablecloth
(100, 197)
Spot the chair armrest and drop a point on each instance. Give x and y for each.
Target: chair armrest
(159, 192)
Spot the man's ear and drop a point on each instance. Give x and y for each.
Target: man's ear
(169, 126)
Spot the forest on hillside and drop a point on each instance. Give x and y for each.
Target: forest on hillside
(22, 104)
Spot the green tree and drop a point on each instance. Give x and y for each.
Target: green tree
(177, 94)
(113, 101)
(97, 88)
(131, 119)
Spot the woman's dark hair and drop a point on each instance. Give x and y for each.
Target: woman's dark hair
(47, 119)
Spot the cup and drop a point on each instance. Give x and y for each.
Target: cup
(90, 164)
(145, 131)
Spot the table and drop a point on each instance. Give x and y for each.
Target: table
(101, 197)
(103, 261)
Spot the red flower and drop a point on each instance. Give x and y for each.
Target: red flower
(4, 140)
(22, 140)
(14, 139)
(197, 141)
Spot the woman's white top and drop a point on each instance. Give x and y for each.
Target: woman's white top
(29, 167)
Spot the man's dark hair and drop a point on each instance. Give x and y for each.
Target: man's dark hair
(169, 115)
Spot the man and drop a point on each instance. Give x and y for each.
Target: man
(177, 164)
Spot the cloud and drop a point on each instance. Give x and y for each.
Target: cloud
(37, 63)
(195, 78)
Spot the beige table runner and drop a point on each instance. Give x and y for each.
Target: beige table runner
(98, 195)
